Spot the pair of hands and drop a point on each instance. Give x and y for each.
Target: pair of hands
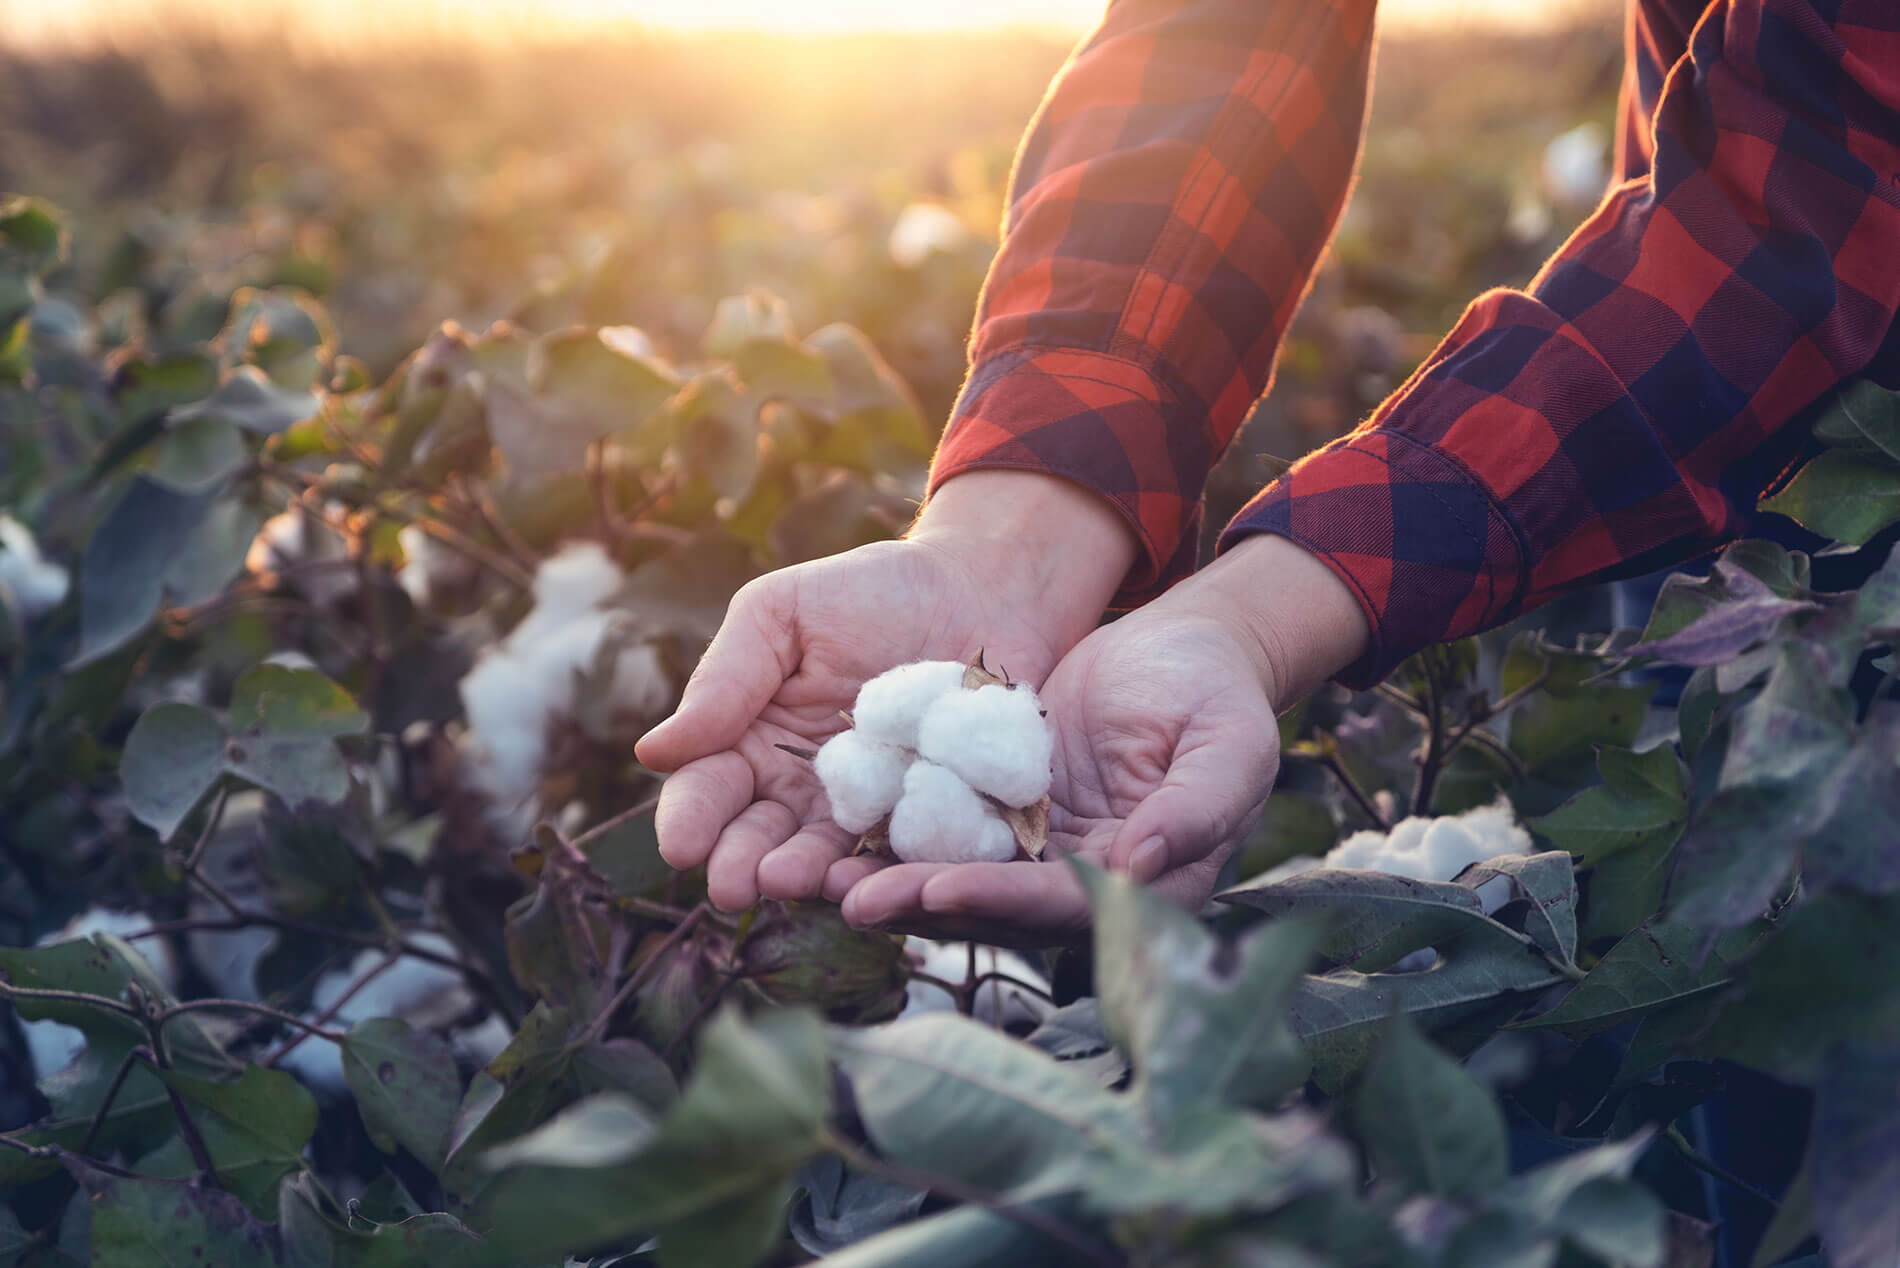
(1166, 743)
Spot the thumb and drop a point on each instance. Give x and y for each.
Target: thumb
(749, 659)
(1211, 794)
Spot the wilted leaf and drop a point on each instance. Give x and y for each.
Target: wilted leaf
(406, 1087)
(1426, 1123)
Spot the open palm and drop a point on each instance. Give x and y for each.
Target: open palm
(1166, 748)
(793, 650)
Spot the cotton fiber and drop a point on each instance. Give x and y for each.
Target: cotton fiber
(995, 738)
(940, 819)
(891, 706)
(36, 585)
(863, 777)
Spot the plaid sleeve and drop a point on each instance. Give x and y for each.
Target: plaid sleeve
(1167, 209)
(1626, 410)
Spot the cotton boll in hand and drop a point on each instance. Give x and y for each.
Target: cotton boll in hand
(995, 738)
(863, 778)
(891, 706)
(941, 819)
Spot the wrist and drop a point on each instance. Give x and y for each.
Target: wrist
(1033, 540)
(1298, 620)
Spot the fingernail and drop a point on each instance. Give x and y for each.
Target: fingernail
(1148, 859)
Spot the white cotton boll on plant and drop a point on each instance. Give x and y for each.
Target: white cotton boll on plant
(995, 738)
(891, 706)
(397, 991)
(53, 1045)
(310, 556)
(37, 585)
(941, 819)
(863, 778)
(923, 229)
(997, 1003)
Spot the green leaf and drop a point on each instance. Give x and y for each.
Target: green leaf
(628, 855)
(254, 1128)
(717, 425)
(1216, 1161)
(952, 1096)
(1339, 1015)
(740, 318)
(1426, 1123)
(784, 369)
(1568, 1198)
(1856, 840)
(1640, 809)
(197, 455)
(1371, 920)
(1556, 730)
(1841, 495)
(1737, 854)
(122, 577)
(173, 757)
(686, 591)
(596, 1131)
(1199, 1021)
(1855, 1156)
(1794, 731)
(1808, 988)
(213, 554)
(960, 1237)
(1865, 416)
(406, 1087)
(284, 726)
(725, 1154)
(140, 1223)
(33, 234)
(878, 425)
(250, 401)
(145, 390)
(1549, 884)
(1652, 968)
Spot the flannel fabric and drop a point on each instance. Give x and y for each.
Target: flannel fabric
(1623, 411)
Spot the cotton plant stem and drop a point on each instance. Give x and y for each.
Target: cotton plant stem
(291, 1044)
(245, 1006)
(641, 975)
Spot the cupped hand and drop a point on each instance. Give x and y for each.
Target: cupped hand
(1166, 749)
(796, 645)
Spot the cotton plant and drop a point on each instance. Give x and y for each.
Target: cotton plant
(943, 763)
(54, 1045)
(1426, 849)
(535, 680)
(997, 1002)
(33, 583)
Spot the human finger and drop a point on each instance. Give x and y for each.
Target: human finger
(732, 871)
(696, 804)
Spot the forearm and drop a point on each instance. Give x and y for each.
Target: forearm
(1037, 542)
(1298, 621)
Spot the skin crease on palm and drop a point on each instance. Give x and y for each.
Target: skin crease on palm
(1165, 740)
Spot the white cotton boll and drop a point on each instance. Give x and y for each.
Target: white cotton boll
(996, 1003)
(863, 778)
(37, 585)
(53, 1045)
(891, 706)
(995, 738)
(1576, 165)
(576, 579)
(306, 553)
(940, 819)
(923, 229)
(397, 991)
(641, 690)
(430, 569)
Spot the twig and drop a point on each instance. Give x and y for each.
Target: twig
(484, 510)
(10, 991)
(1017, 982)
(1435, 751)
(640, 976)
(291, 1044)
(245, 1006)
(1027, 1216)
(32, 1151)
(105, 1102)
(1404, 699)
(1328, 757)
(197, 852)
(605, 826)
(1479, 716)
(1709, 1166)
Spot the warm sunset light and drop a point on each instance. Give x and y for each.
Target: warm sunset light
(29, 22)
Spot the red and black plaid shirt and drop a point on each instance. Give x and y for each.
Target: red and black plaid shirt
(1181, 180)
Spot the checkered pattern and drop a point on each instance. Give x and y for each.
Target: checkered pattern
(1622, 412)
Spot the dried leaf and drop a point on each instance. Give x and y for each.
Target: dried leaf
(1030, 824)
(876, 839)
(976, 675)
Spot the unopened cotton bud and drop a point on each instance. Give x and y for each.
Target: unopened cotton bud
(941, 819)
(891, 705)
(863, 778)
(995, 738)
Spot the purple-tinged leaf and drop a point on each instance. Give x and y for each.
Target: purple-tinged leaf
(1856, 1156)
(1726, 630)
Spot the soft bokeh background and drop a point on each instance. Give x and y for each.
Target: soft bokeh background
(631, 161)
